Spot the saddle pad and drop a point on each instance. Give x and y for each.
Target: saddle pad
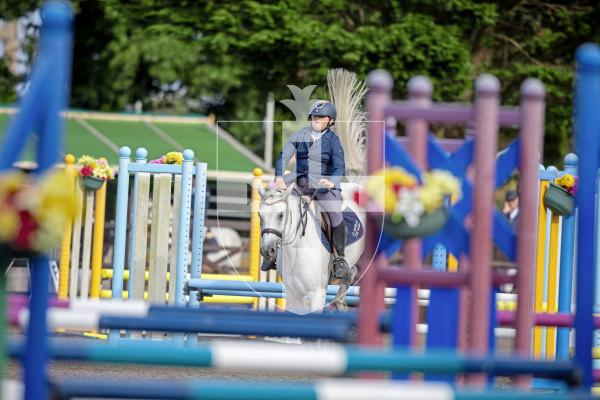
(354, 229)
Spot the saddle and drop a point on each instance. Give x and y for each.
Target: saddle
(354, 227)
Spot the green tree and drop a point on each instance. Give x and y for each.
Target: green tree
(224, 57)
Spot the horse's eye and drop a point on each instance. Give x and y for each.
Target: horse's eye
(280, 216)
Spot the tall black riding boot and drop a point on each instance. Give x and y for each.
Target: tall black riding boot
(341, 270)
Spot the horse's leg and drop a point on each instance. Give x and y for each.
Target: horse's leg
(340, 298)
(295, 303)
(315, 300)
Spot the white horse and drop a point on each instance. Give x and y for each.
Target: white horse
(302, 261)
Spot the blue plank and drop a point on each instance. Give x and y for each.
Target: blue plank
(506, 162)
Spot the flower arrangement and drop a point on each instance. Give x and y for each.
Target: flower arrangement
(559, 195)
(33, 213)
(172, 157)
(409, 204)
(568, 182)
(97, 168)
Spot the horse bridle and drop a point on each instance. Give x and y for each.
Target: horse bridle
(301, 220)
(277, 232)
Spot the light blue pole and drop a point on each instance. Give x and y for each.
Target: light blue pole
(185, 207)
(565, 281)
(198, 227)
(120, 229)
(184, 225)
(587, 133)
(140, 158)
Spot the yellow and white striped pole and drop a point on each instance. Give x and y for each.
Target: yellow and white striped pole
(98, 242)
(65, 247)
(255, 225)
(539, 272)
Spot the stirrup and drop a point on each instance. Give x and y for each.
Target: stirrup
(341, 270)
(268, 265)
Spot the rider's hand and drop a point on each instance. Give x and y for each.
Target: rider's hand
(280, 184)
(326, 183)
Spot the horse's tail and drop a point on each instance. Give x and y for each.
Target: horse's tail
(347, 93)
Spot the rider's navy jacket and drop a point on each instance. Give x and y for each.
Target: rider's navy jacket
(323, 158)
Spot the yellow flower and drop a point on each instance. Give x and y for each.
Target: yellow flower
(567, 181)
(432, 198)
(398, 176)
(11, 182)
(174, 157)
(87, 160)
(55, 207)
(103, 171)
(9, 223)
(384, 187)
(445, 181)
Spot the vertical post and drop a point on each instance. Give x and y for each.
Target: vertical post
(140, 158)
(417, 130)
(56, 47)
(269, 130)
(65, 247)
(530, 136)
(565, 281)
(540, 268)
(184, 225)
(120, 228)
(98, 241)
(255, 224)
(3, 323)
(542, 298)
(198, 227)
(587, 133)
(372, 290)
(552, 286)
(486, 125)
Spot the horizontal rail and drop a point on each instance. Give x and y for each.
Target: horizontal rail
(561, 320)
(404, 276)
(448, 113)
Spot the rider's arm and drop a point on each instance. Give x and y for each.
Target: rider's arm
(338, 162)
(286, 155)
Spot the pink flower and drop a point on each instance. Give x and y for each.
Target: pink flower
(86, 171)
(161, 160)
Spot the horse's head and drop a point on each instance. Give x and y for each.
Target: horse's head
(274, 216)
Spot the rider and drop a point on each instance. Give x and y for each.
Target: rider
(319, 167)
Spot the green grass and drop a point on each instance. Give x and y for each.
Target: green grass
(78, 142)
(217, 153)
(203, 141)
(133, 135)
(28, 154)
